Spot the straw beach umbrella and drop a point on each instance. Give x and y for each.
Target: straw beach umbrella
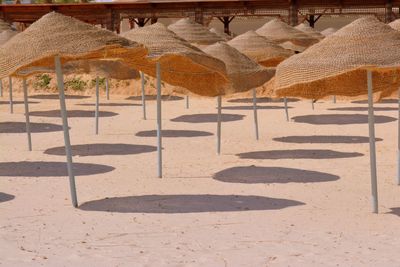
(244, 74)
(395, 24)
(329, 31)
(262, 50)
(6, 35)
(280, 32)
(310, 31)
(356, 58)
(54, 40)
(194, 32)
(180, 64)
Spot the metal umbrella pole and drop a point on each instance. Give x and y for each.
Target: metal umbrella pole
(372, 151)
(187, 102)
(1, 88)
(143, 95)
(286, 108)
(96, 112)
(398, 144)
(68, 152)
(26, 103)
(10, 95)
(159, 129)
(219, 103)
(107, 90)
(255, 112)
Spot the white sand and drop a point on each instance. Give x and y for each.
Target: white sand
(325, 221)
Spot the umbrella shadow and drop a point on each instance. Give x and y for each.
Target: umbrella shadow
(49, 169)
(72, 113)
(20, 127)
(111, 105)
(187, 204)
(299, 154)
(207, 118)
(325, 139)
(17, 102)
(363, 109)
(251, 107)
(382, 101)
(394, 211)
(340, 119)
(102, 149)
(174, 133)
(154, 97)
(262, 100)
(55, 96)
(5, 197)
(269, 175)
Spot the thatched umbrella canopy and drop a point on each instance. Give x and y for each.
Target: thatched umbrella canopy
(329, 31)
(181, 63)
(310, 31)
(221, 34)
(358, 59)
(194, 32)
(395, 24)
(54, 40)
(338, 64)
(260, 49)
(280, 32)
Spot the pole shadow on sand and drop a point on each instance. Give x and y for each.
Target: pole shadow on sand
(382, 101)
(56, 97)
(154, 97)
(363, 109)
(252, 107)
(325, 139)
(110, 105)
(49, 169)
(207, 118)
(35, 127)
(174, 133)
(262, 100)
(18, 102)
(269, 175)
(102, 149)
(340, 119)
(5, 197)
(72, 113)
(298, 154)
(187, 204)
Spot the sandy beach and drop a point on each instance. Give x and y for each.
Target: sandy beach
(300, 196)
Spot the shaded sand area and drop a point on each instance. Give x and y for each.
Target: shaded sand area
(298, 197)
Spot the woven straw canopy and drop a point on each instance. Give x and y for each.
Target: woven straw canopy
(260, 49)
(221, 34)
(310, 31)
(280, 32)
(395, 24)
(329, 31)
(243, 72)
(181, 63)
(338, 64)
(194, 32)
(6, 35)
(54, 34)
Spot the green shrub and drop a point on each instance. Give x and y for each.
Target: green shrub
(76, 84)
(102, 83)
(42, 82)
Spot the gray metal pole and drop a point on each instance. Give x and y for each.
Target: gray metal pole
(107, 90)
(60, 85)
(159, 131)
(398, 145)
(334, 99)
(1, 88)
(28, 126)
(371, 122)
(96, 112)
(143, 96)
(11, 96)
(219, 103)
(187, 102)
(312, 104)
(255, 112)
(286, 109)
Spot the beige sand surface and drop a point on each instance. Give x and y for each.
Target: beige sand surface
(264, 212)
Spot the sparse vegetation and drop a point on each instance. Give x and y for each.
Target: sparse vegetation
(102, 83)
(42, 82)
(76, 84)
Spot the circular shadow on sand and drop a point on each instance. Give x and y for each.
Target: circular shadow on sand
(20, 127)
(111, 105)
(299, 154)
(17, 102)
(55, 96)
(49, 169)
(187, 204)
(262, 100)
(251, 107)
(154, 97)
(363, 109)
(72, 113)
(269, 175)
(340, 119)
(174, 133)
(207, 118)
(325, 139)
(5, 197)
(102, 149)
(382, 101)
